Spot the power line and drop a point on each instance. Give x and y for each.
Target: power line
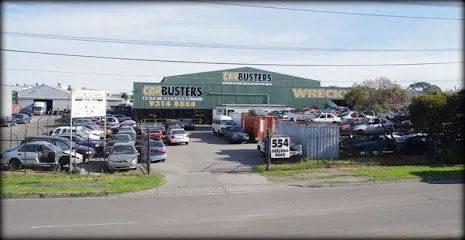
(331, 12)
(228, 63)
(422, 3)
(82, 73)
(222, 46)
(205, 78)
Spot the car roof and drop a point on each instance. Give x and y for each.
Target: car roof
(49, 137)
(40, 143)
(123, 144)
(173, 129)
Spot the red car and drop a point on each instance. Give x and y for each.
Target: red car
(156, 132)
(345, 126)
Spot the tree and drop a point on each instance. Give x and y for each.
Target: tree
(377, 95)
(428, 114)
(125, 96)
(423, 87)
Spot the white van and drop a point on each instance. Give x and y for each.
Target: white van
(220, 122)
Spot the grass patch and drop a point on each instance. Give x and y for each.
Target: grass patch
(411, 172)
(356, 168)
(16, 184)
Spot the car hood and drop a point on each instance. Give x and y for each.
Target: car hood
(122, 157)
(75, 154)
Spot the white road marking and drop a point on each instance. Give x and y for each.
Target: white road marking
(83, 225)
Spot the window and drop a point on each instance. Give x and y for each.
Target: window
(178, 132)
(61, 145)
(28, 148)
(57, 131)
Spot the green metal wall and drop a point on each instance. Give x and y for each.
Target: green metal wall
(215, 92)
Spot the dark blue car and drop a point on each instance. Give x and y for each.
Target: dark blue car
(95, 144)
(7, 121)
(22, 118)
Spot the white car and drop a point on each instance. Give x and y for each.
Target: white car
(327, 118)
(177, 135)
(84, 132)
(38, 154)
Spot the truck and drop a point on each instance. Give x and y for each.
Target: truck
(40, 108)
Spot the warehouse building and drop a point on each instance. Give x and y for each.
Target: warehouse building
(195, 95)
(57, 98)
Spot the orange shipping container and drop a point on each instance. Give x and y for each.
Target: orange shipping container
(257, 126)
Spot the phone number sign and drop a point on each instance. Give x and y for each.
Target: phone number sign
(279, 147)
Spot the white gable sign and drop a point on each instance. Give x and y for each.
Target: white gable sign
(88, 103)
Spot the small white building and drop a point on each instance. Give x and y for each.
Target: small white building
(56, 98)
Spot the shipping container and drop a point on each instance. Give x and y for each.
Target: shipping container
(257, 126)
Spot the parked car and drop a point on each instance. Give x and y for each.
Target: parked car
(326, 117)
(26, 113)
(156, 132)
(157, 151)
(36, 154)
(97, 145)
(121, 118)
(22, 118)
(235, 134)
(84, 132)
(374, 126)
(63, 143)
(412, 144)
(128, 130)
(82, 121)
(131, 123)
(112, 121)
(177, 135)
(360, 144)
(8, 121)
(121, 137)
(345, 126)
(123, 155)
(172, 123)
(351, 115)
(188, 124)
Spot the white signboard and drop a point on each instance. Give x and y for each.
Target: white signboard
(280, 147)
(88, 103)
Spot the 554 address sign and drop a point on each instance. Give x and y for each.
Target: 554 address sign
(280, 147)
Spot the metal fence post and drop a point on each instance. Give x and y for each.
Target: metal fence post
(11, 133)
(268, 150)
(148, 151)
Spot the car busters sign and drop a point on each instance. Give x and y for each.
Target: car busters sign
(172, 96)
(247, 78)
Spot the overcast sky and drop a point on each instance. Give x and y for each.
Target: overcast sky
(210, 23)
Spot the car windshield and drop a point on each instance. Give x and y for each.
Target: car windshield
(122, 150)
(156, 144)
(178, 132)
(226, 122)
(344, 114)
(236, 129)
(124, 137)
(130, 134)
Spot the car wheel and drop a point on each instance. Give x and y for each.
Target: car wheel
(187, 143)
(163, 160)
(15, 164)
(360, 132)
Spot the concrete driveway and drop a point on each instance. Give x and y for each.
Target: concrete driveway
(208, 164)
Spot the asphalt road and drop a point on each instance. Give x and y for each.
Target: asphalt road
(38, 126)
(209, 164)
(384, 210)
